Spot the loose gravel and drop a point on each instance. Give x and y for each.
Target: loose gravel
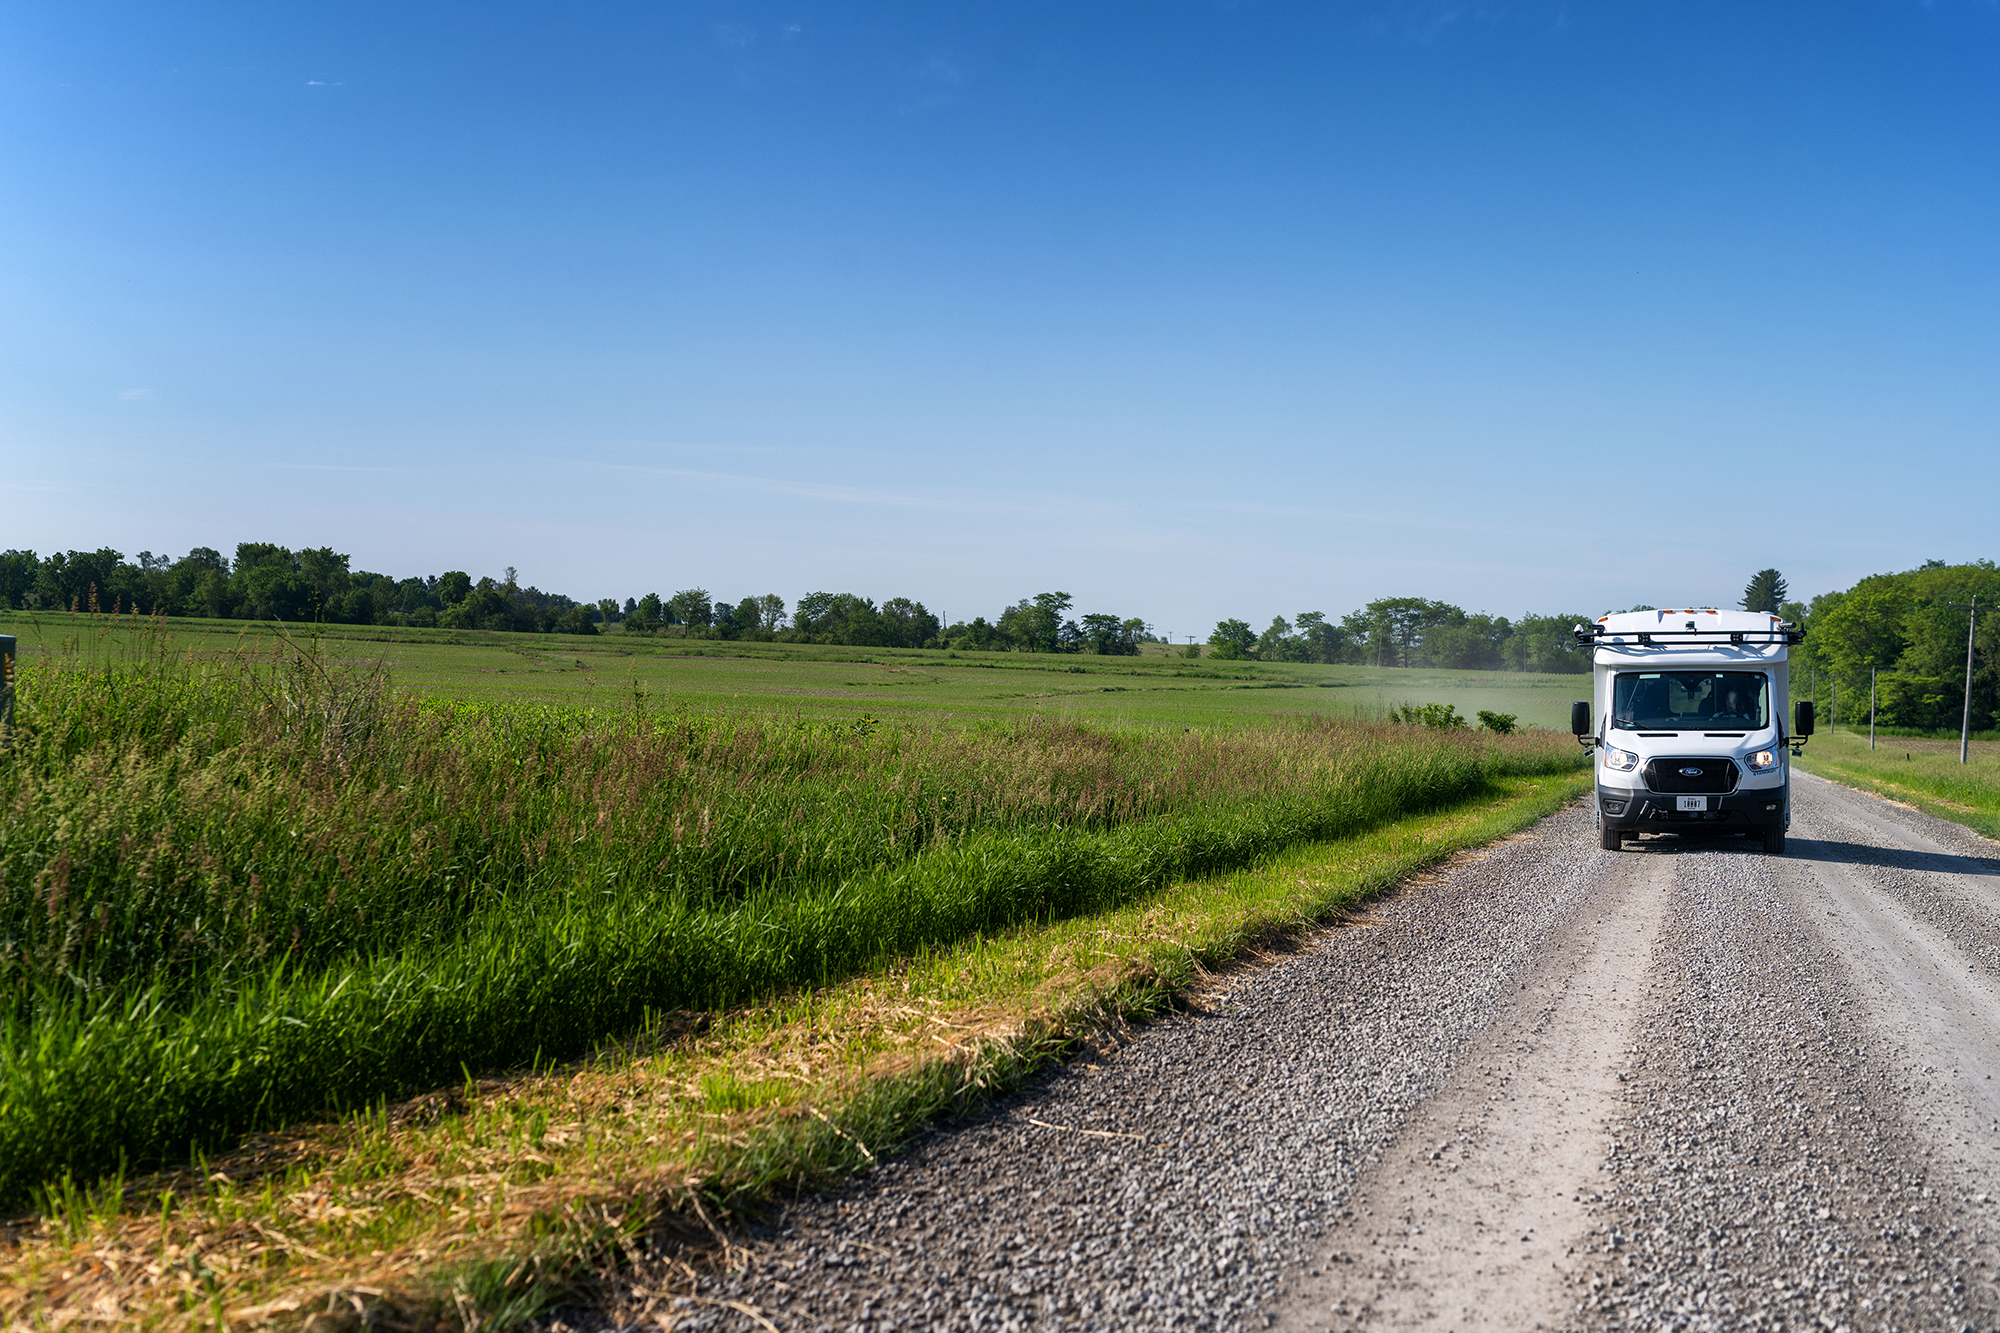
(1764, 1175)
(1762, 1164)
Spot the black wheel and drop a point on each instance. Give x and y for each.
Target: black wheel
(1774, 841)
(1610, 839)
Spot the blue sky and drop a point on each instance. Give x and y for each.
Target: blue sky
(1191, 310)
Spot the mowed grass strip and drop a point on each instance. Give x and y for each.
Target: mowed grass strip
(1923, 772)
(244, 892)
(491, 1199)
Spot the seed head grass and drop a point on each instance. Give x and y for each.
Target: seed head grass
(645, 1147)
(249, 891)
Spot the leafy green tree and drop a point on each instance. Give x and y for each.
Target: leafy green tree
(1405, 620)
(266, 584)
(1546, 644)
(771, 612)
(1233, 640)
(453, 587)
(1323, 642)
(1275, 643)
(1502, 723)
(575, 620)
(1108, 635)
(74, 580)
(17, 577)
(1866, 628)
(811, 614)
(851, 619)
(649, 614)
(1045, 621)
(907, 624)
(1766, 591)
(1472, 643)
(978, 637)
(690, 606)
(325, 571)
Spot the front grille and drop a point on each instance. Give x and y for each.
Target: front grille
(1717, 775)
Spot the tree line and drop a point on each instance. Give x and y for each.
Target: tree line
(1410, 632)
(269, 582)
(1038, 624)
(1910, 630)
(265, 581)
(1910, 627)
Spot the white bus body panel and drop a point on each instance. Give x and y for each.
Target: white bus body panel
(1642, 796)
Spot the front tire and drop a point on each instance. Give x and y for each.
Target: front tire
(1774, 842)
(1610, 839)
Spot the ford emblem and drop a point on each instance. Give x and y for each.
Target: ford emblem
(1691, 772)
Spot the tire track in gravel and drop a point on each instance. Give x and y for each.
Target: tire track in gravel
(1470, 1220)
(1778, 1165)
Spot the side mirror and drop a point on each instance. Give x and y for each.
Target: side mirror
(1579, 718)
(1802, 721)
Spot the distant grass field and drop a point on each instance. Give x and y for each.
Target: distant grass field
(1919, 771)
(836, 683)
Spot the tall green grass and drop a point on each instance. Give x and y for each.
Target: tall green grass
(240, 892)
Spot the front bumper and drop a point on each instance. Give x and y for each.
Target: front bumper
(1654, 812)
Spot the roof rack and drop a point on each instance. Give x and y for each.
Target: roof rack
(1778, 633)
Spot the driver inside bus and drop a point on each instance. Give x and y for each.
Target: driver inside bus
(1736, 703)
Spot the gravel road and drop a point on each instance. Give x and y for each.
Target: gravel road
(1683, 1087)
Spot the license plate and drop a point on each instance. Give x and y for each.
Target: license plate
(1690, 803)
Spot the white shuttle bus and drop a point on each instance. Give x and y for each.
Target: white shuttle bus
(1690, 734)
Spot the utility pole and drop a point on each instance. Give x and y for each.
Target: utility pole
(1965, 719)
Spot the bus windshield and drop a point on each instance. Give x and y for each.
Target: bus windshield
(1690, 701)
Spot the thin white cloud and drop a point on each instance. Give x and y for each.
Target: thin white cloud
(852, 495)
(321, 83)
(941, 71)
(332, 467)
(734, 36)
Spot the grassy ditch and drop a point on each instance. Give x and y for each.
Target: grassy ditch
(485, 1201)
(1918, 771)
(237, 893)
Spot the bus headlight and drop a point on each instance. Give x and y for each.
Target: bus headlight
(1624, 761)
(1763, 761)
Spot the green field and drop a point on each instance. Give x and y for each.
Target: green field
(252, 881)
(1919, 771)
(834, 683)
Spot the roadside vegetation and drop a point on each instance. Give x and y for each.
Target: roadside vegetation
(246, 890)
(486, 1199)
(1917, 769)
